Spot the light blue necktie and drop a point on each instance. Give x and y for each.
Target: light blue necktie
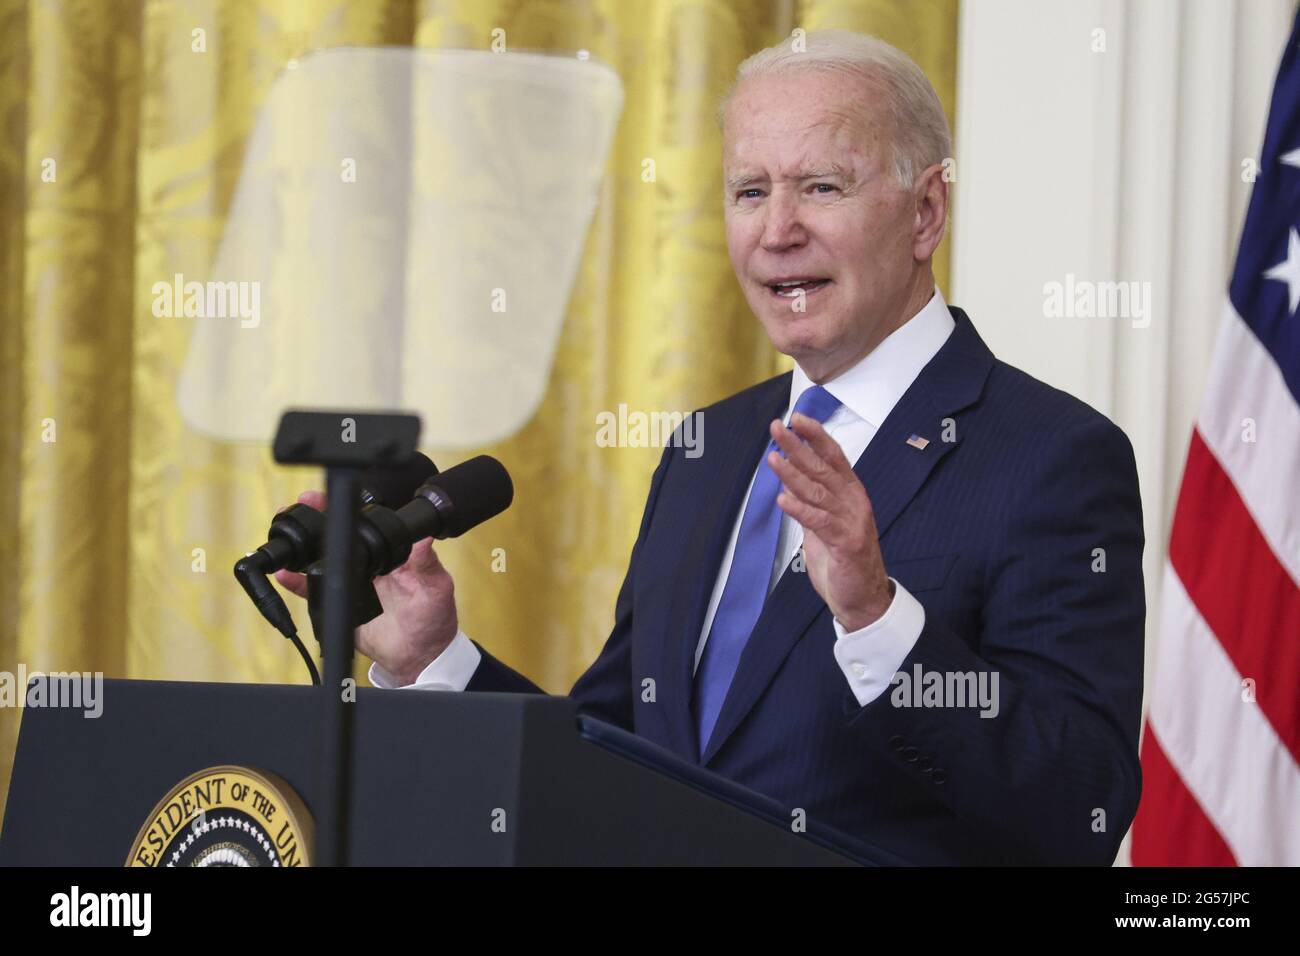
(751, 571)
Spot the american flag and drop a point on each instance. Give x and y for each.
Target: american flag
(1221, 751)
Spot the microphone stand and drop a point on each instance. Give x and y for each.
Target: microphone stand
(346, 444)
(365, 599)
(342, 485)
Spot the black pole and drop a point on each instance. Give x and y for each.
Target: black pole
(342, 490)
(345, 443)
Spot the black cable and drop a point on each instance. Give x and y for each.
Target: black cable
(252, 572)
(311, 665)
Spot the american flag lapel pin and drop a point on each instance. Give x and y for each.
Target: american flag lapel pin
(916, 441)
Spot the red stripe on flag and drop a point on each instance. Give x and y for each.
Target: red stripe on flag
(1170, 828)
(1241, 590)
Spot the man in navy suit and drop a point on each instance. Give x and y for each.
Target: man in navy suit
(902, 588)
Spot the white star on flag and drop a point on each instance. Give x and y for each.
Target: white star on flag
(1288, 271)
(1292, 158)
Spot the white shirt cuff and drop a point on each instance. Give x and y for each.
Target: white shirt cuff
(872, 655)
(450, 670)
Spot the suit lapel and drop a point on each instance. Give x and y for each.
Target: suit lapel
(720, 480)
(892, 471)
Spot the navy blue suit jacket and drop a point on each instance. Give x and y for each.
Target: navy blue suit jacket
(1021, 536)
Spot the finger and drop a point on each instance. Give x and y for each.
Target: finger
(818, 509)
(812, 431)
(837, 521)
(313, 499)
(845, 485)
(292, 582)
(803, 456)
(811, 518)
(803, 487)
(423, 559)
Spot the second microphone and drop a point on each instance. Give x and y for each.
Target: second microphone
(445, 506)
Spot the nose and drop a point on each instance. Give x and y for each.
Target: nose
(782, 227)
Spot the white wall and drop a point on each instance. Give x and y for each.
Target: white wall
(1122, 164)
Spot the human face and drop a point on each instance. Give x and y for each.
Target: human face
(811, 197)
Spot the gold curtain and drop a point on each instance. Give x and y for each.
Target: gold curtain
(121, 146)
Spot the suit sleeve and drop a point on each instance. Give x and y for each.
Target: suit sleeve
(493, 676)
(605, 689)
(1054, 775)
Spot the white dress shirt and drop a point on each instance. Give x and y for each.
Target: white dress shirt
(867, 392)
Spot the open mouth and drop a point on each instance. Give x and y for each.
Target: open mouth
(793, 288)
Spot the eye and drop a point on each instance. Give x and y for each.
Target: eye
(749, 194)
(824, 189)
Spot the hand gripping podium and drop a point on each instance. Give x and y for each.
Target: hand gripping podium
(439, 779)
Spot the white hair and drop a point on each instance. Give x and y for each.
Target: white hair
(920, 129)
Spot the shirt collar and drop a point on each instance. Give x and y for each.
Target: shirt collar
(873, 387)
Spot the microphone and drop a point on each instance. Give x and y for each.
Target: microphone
(298, 532)
(462, 497)
(445, 506)
(394, 487)
(296, 536)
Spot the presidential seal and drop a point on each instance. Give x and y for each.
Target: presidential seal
(226, 816)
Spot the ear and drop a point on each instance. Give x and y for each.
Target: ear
(931, 193)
